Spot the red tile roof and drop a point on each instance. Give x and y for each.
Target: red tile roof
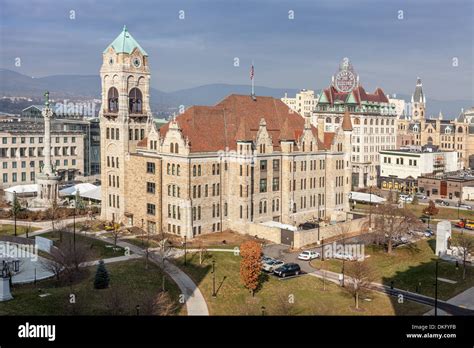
(237, 117)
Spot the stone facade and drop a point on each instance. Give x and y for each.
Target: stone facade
(246, 160)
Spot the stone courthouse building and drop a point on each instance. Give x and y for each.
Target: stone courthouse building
(248, 159)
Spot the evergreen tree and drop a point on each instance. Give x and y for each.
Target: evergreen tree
(16, 206)
(101, 280)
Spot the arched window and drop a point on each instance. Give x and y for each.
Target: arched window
(176, 148)
(459, 129)
(337, 120)
(113, 100)
(135, 101)
(430, 141)
(171, 147)
(365, 122)
(356, 120)
(328, 120)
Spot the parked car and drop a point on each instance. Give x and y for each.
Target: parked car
(464, 206)
(308, 255)
(271, 265)
(441, 202)
(405, 198)
(428, 233)
(288, 269)
(308, 226)
(421, 196)
(265, 259)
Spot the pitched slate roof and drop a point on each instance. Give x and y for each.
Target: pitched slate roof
(237, 117)
(125, 43)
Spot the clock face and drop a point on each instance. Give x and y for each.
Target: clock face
(345, 81)
(137, 62)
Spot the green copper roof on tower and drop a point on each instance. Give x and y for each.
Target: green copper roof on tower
(125, 43)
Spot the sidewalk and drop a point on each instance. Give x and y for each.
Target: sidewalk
(195, 302)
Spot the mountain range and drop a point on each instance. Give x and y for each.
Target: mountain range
(76, 87)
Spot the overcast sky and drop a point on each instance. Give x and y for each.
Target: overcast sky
(303, 52)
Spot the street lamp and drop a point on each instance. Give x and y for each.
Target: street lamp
(185, 251)
(138, 309)
(263, 310)
(343, 261)
(436, 290)
(214, 278)
(322, 249)
(14, 208)
(74, 225)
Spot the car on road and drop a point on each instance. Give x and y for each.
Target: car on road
(441, 202)
(308, 255)
(464, 206)
(308, 226)
(271, 265)
(428, 233)
(421, 196)
(288, 269)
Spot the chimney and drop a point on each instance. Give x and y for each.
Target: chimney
(321, 129)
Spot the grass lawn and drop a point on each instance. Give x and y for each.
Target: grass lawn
(410, 266)
(134, 281)
(307, 292)
(99, 249)
(417, 209)
(10, 229)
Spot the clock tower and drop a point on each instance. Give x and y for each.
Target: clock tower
(124, 115)
(418, 101)
(346, 79)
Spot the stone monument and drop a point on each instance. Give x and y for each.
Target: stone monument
(5, 293)
(443, 237)
(47, 179)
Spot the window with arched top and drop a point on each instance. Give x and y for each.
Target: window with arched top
(430, 141)
(337, 120)
(176, 148)
(365, 122)
(113, 100)
(328, 120)
(459, 129)
(172, 147)
(135, 101)
(356, 120)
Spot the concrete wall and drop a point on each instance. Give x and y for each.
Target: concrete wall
(272, 234)
(307, 237)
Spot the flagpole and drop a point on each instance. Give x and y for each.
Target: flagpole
(253, 77)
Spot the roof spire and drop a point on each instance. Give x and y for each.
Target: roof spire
(124, 27)
(346, 121)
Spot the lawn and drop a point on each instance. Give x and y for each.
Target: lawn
(10, 229)
(129, 279)
(411, 267)
(417, 209)
(98, 249)
(275, 295)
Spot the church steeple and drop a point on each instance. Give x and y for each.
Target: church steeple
(418, 101)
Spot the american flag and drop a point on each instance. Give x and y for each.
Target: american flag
(251, 72)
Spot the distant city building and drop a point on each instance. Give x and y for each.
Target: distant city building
(303, 103)
(449, 135)
(22, 152)
(447, 185)
(373, 118)
(400, 169)
(73, 118)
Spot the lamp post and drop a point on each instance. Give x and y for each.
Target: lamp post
(263, 310)
(436, 290)
(74, 226)
(322, 249)
(138, 309)
(214, 278)
(185, 251)
(342, 280)
(14, 208)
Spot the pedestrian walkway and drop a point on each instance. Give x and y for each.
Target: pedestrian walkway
(111, 260)
(195, 302)
(464, 300)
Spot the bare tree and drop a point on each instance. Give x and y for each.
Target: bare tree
(392, 222)
(164, 252)
(66, 259)
(361, 275)
(465, 246)
(160, 304)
